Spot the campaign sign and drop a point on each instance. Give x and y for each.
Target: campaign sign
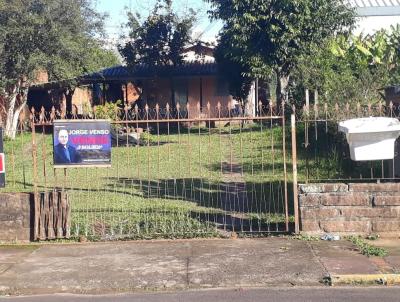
(82, 143)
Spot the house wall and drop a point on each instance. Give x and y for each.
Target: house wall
(157, 91)
(355, 208)
(82, 99)
(193, 96)
(210, 94)
(130, 93)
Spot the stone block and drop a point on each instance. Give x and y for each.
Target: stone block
(368, 212)
(309, 200)
(386, 226)
(386, 200)
(16, 216)
(309, 226)
(323, 188)
(318, 213)
(345, 199)
(374, 187)
(346, 226)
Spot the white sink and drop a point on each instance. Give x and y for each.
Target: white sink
(371, 138)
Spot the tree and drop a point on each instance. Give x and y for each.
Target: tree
(353, 68)
(276, 33)
(160, 39)
(236, 74)
(56, 36)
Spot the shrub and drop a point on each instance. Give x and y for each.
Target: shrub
(108, 111)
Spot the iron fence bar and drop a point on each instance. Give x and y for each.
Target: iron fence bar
(294, 165)
(210, 199)
(22, 157)
(285, 169)
(35, 178)
(192, 120)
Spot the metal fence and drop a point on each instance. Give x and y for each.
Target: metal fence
(195, 172)
(175, 173)
(323, 152)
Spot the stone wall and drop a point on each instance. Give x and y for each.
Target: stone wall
(16, 216)
(355, 208)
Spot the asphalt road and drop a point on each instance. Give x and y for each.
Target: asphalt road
(323, 294)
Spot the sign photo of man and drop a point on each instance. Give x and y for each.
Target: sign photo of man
(65, 153)
(82, 143)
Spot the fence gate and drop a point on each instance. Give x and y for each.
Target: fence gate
(176, 173)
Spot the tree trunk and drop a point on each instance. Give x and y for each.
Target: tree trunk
(12, 99)
(16, 118)
(282, 89)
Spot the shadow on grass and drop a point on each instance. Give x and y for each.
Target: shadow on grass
(239, 206)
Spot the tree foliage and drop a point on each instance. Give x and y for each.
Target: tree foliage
(275, 34)
(159, 39)
(237, 74)
(353, 68)
(56, 36)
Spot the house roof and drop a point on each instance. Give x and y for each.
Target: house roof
(141, 71)
(368, 8)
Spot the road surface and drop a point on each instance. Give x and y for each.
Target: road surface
(316, 294)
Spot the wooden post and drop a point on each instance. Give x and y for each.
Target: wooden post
(294, 165)
(51, 233)
(316, 97)
(68, 216)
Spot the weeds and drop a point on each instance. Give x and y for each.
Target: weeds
(366, 248)
(306, 237)
(372, 237)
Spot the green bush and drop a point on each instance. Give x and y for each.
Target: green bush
(108, 111)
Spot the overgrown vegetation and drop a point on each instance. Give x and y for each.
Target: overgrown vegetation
(351, 68)
(111, 111)
(366, 248)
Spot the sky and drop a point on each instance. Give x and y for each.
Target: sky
(206, 30)
(116, 9)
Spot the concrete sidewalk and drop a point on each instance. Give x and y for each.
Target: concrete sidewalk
(176, 265)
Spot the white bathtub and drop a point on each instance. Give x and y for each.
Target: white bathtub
(371, 138)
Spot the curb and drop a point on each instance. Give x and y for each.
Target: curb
(359, 279)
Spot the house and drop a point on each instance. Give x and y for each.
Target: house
(196, 82)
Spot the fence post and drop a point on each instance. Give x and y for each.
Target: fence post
(294, 165)
(285, 167)
(35, 178)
